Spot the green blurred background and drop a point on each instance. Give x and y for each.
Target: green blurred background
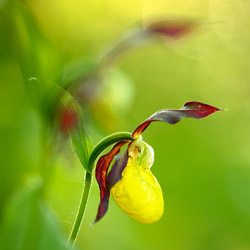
(202, 165)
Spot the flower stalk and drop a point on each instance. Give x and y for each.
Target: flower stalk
(81, 210)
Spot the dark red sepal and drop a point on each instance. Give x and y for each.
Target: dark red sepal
(115, 173)
(101, 176)
(103, 207)
(197, 110)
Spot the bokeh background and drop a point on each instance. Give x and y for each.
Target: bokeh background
(202, 165)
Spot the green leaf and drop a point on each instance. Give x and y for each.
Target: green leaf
(29, 223)
(71, 121)
(81, 141)
(82, 144)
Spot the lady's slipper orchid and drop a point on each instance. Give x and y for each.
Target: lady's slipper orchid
(132, 184)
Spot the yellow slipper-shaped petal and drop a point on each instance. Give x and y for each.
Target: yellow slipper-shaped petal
(138, 193)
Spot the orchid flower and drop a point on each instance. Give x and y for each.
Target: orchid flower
(130, 180)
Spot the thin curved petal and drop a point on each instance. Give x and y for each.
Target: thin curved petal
(197, 110)
(101, 175)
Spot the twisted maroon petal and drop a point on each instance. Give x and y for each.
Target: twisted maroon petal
(101, 176)
(197, 110)
(115, 173)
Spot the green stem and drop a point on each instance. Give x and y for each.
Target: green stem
(106, 142)
(81, 210)
(103, 144)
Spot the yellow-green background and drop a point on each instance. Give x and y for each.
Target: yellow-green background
(203, 166)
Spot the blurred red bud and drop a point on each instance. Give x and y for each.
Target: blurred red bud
(175, 28)
(68, 120)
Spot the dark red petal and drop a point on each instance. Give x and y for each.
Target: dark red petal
(103, 207)
(115, 173)
(101, 175)
(193, 109)
(174, 28)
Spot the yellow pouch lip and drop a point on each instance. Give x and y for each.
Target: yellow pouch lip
(138, 193)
